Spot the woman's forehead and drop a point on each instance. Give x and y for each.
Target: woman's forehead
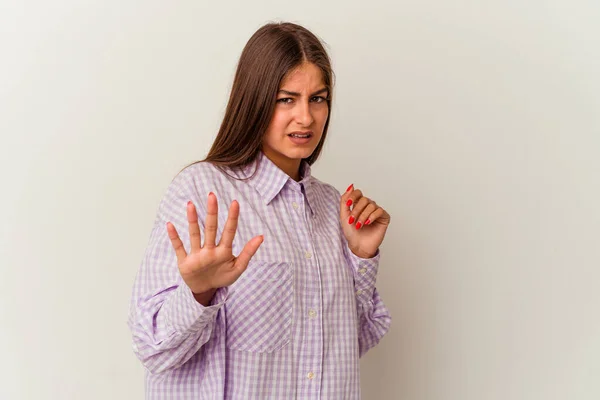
(307, 77)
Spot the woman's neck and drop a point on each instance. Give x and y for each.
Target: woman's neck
(290, 166)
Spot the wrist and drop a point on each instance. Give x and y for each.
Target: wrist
(204, 297)
(361, 254)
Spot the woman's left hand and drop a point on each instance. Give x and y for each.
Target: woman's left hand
(364, 223)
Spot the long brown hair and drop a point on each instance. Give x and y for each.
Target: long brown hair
(274, 50)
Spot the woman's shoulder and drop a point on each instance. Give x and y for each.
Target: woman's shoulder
(197, 178)
(200, 172)
(325, 189)
(198, 169)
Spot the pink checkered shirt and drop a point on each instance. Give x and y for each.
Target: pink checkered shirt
(293, 326)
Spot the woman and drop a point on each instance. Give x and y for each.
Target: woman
(291, 314)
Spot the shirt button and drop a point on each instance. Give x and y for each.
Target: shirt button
(307, 254)
(359, 292)
(312, 313)
(310, 375)
(295, 205)
(362, 271)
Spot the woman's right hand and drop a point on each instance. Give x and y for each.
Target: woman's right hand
(211, 266)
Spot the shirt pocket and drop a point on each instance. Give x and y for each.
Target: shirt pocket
(259, 308)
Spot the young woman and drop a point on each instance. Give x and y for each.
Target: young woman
(276, 298)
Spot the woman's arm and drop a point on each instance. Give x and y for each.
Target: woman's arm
(373, 317)
(167, 323)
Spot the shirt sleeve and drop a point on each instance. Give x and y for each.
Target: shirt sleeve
(374, 319)
(168, 325)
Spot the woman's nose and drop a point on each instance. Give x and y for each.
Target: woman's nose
(304, 115)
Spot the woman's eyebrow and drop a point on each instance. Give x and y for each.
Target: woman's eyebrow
(287, 92)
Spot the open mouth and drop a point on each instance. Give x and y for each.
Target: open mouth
(300, 136)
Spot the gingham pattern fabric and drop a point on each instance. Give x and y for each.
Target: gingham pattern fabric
(293, 326)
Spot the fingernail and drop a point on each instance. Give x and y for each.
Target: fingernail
(349, 203)
(358, 225)
(351, 220)
(210, 193)
(367, 222)
(189, 202)
(349, 187)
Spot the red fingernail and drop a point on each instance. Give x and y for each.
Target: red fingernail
(349, 187)
(358, 225)
(367, 222)
(189, 202)
(351, 220)
(349, 203)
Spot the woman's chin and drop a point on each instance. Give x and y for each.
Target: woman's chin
(299, 154)
(291, 153)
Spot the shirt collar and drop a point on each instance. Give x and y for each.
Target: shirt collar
(269, 180)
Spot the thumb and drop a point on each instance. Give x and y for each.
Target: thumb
(344, 207)
(247, 253)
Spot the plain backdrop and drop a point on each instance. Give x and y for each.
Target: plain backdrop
(476, 124)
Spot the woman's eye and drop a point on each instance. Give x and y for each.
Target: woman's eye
(315, 99)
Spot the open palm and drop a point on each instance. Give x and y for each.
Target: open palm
(211, 266)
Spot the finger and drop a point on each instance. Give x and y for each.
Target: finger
(369, 219)
(241, 262)
(230, 225)
(346, 195)
(176, 242)
(379, 215)
(210, 226)
(358, 208)
(347, 200)
(348, 191)
(364, 215)
(194, 227)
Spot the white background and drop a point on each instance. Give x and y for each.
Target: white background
(475, 123)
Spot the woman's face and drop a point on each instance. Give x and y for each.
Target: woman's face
(299, 118)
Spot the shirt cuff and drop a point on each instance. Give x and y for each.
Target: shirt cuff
(184, 314)
(365, 275)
